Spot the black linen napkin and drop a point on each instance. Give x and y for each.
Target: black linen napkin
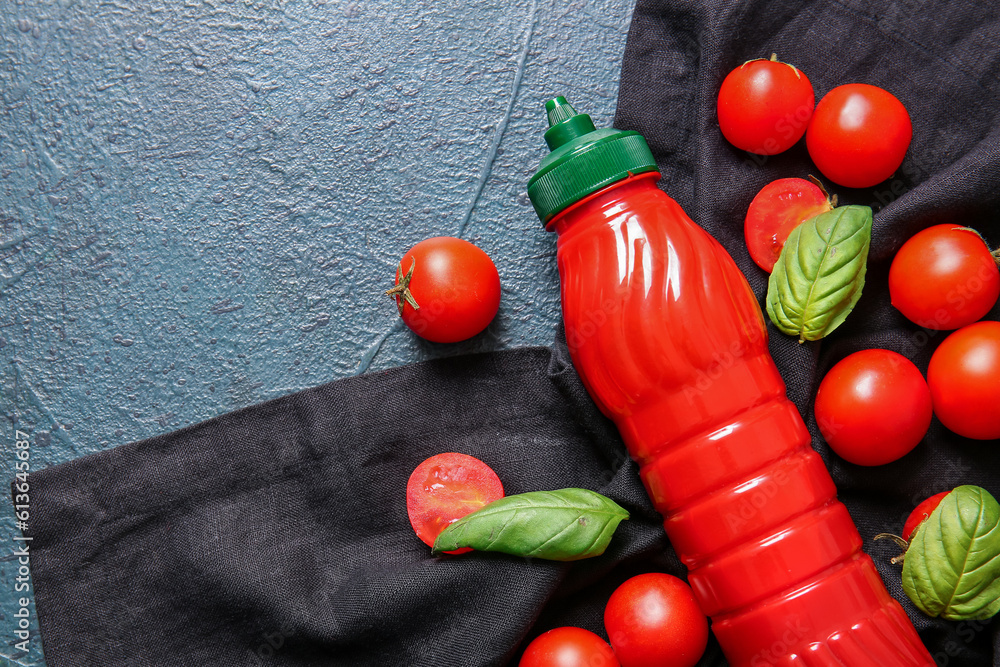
(278, 534)
(941, 58)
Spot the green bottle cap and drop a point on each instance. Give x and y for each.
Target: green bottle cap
(583, 159)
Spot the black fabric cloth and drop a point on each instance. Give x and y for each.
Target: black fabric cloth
(278, 534)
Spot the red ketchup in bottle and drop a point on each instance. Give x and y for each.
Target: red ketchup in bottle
(670, 341)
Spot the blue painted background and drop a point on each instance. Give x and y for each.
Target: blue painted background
(202, 201)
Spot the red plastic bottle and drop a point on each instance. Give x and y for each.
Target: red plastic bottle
(670, 341)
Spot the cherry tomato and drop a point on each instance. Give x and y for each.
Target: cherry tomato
(764, 106)
(446, 487)
(568, 647)
(653, 620)
(858, 135)
(920, 514)
(873, 407)
(964, 378)
(780, 207)
(944, 277)
(446, 289)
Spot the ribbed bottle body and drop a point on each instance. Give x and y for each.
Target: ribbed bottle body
(670, 341)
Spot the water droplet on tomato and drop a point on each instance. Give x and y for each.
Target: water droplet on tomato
(437, 479)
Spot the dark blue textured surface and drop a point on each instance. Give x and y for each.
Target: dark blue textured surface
(200, 202)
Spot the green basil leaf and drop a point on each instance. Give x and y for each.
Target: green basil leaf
(567, 524)
(819, 275)
(952, 566)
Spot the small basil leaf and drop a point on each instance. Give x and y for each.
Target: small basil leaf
(820, 273)
(567, 524)
(952, 566)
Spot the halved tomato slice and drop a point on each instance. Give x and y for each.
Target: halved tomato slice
(780, 207)
(446, 487)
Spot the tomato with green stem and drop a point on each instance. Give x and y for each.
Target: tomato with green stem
(951, 557)
(568, 647)
(778, 208)
(944, 277)
(764, 106)
(447, 289)
(920, 514)
(446, 487)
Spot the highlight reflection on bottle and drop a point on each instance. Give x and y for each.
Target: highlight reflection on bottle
(670, 341)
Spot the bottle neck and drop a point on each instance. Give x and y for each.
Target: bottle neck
(605, 199)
